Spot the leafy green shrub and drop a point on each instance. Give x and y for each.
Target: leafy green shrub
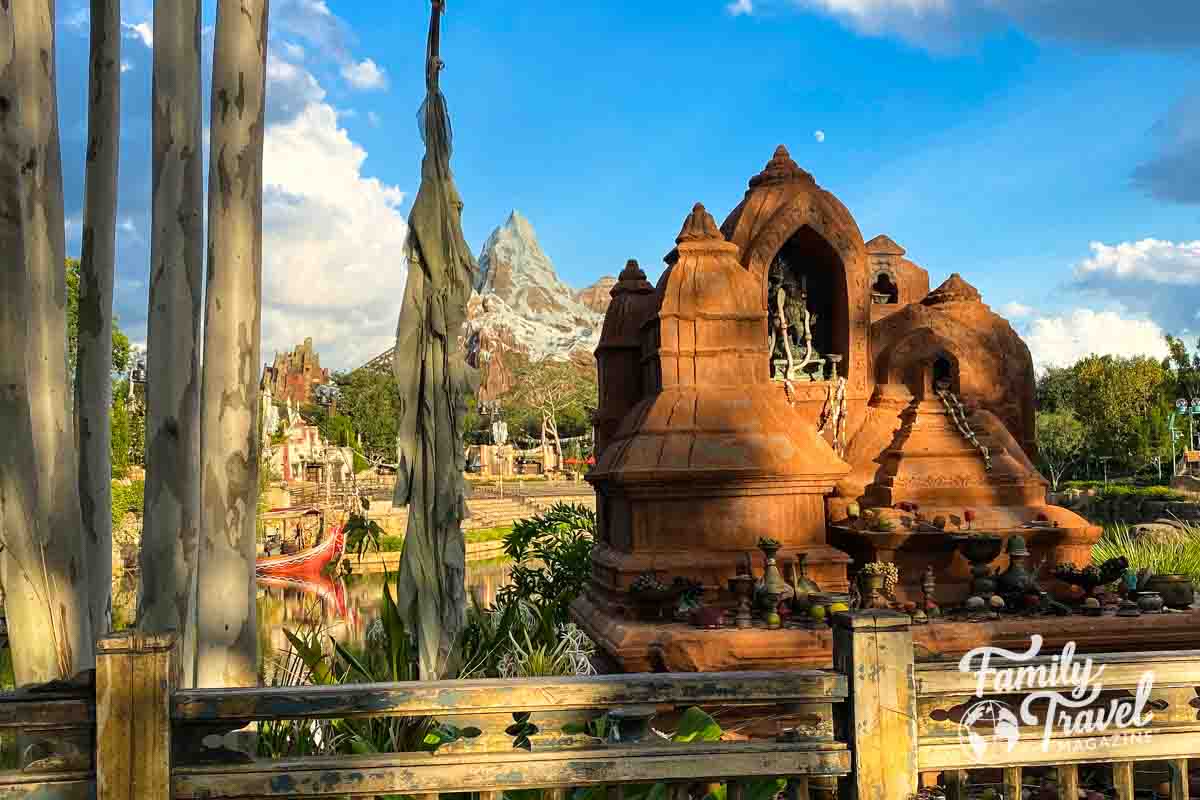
(553, 555)
(1161, 556)
(527, 632)
(127, 498)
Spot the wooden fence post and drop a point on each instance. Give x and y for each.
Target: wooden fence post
(136, 674)
(873, 649)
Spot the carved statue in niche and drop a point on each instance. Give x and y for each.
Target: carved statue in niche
(793, 354)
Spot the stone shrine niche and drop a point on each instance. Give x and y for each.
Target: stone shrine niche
(807, 308)
(884, 290)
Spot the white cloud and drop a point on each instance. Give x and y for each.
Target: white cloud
(942, 24)
(366, 75)
(1015, 310)
(126, 67)
(1062, 340)
(1151, 260)
(290, 89)
(740, 7)
(333, 242)
(293, 51)
(141, 31)
(1151, 277)
(819, 136)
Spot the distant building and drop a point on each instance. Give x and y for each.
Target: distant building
(304, 455)
(294, 376)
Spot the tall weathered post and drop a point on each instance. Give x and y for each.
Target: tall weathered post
(873, 649)
(433, 382)
(226, 641)
(171, 524)
(46, 559)
(97, 263)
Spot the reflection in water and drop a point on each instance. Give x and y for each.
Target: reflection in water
(344, 608)
(339, 608)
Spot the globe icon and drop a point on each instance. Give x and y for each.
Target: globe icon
(987, 723)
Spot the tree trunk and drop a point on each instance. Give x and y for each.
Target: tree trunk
(59, 549)
(171, 525)
(226, 637)
(93, 380)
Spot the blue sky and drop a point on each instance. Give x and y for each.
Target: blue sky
(1049, 150)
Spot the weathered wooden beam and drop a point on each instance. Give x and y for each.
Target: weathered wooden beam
(1123, 780)
(61, 786)
(1180, 786)
(1121, 670)
(420, 773)
(36, 714)
(135, 675)
(1012, 783)
(957, 782)
(450, 698)
(874, 649)
(1028, 752)
(1068, 782)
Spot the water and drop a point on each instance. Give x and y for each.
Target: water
(342, 608)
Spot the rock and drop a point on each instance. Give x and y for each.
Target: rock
(976, 603)
(1091, 602)
(1159, 532)
(997, 602)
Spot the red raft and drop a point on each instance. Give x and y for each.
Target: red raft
(309, 561)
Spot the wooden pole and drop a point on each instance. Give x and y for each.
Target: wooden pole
(135, 677)
(97, 263)
(227, 642)
(873, 649)
(171, 524)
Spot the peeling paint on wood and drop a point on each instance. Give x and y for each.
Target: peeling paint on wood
(230, 448)
(171, 527)
(97, 263)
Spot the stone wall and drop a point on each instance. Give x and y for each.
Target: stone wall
(1131, 510)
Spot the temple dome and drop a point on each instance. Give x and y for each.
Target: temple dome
(953, 290)
(708, 412)
(633, 302)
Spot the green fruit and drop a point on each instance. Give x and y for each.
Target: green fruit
(817, 612)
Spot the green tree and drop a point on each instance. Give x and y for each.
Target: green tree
(1056, 389)
(1060, 441)
(122, 433)
(1115, 396)
(1185, 370)
(120, 342)
(370, 400)
(559, 393)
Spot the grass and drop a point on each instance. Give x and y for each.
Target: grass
(394, 544)
(1162, 557)
(1122, 491)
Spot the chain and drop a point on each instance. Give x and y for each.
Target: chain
(957, 413)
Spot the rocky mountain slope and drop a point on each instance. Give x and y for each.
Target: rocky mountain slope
(521, 305)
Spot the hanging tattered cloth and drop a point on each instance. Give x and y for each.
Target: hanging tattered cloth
(433, 381)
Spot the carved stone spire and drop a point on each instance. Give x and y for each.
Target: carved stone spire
(632, 280)
(699, 226)
(780, 169)
(953, 290)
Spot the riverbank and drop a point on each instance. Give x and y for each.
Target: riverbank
(390, 560)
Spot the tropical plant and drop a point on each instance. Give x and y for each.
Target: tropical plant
(389, 655)
(1170, 556)
(553, 560)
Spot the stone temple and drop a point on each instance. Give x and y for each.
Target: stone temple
(783, 376)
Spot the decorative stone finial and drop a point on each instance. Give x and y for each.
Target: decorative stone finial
(780, 169)
(631, 279)
(699, 226)
(883, 245)
(953, 290)
(632, 271)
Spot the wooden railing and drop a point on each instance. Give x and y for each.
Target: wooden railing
(871, 728)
